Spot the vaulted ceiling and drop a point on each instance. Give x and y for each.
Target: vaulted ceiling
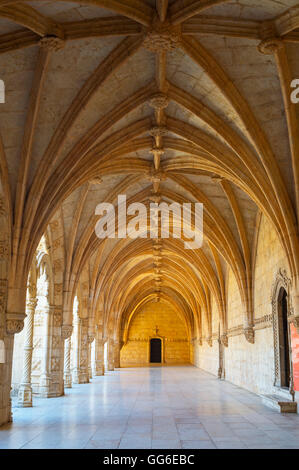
(178, 100)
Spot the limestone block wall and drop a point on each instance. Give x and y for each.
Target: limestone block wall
(171, 329)
(248, 365)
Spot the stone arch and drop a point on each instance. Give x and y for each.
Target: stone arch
(281, 284)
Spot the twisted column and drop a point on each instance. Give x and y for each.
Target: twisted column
(25, 390)
(67, 364)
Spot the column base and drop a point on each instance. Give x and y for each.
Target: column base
(25, 396)
(80, 377)
(99, 370)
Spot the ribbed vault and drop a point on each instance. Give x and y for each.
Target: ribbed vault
(155, 100)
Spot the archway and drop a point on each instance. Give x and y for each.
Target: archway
(284, 338)
(155, 350)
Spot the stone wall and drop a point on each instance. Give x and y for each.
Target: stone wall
(248, 365)
(171, 329)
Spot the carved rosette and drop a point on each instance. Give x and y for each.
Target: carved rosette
(270, 46)
(224, 340)
(159, 101)
(66, 331)
(249, 334)
(51, 43)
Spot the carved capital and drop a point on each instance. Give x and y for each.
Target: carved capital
(210, 341)
(249, 334)
(270, 46)
(51, 43)
(66, 331)
(14, 326)
(224, 340)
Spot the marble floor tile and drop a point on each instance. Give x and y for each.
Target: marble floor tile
(152, 407)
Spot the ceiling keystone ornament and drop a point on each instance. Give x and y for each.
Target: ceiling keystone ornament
(156, 198)
(51, 43)
(66, 331)
(158, 131)
(270, 46)
(162, 37)
(224, 340)
(159, 101)
(249, 334)
(96, 180)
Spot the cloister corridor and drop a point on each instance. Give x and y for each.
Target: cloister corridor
(176, 407)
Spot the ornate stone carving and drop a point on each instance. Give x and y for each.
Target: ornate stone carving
(224, 340)
(2, 207)
(270, 46)
(159, 101)
(157, 151)
(158, 131)
(90, 338)
(249, 334)
(210, 341)
(162, 37)
(14, 326)
(296, 323)
(3, 249)
(66, 331)
(51, 43)
(96, 180)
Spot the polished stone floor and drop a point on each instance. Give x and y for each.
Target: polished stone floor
(155, 407)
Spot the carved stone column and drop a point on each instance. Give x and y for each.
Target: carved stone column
(98, 363)
(116, 354)
(90, 339)
(80, 371)
(67, 376)
(110, 354)
(25, 390)
(66, 332)
(45, 378)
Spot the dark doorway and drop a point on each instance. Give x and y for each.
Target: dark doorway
(284, 350)
(156, 350)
